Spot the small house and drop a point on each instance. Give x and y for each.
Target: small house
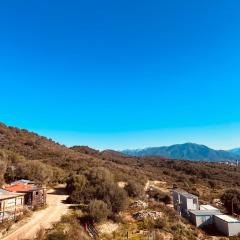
(184, 202)
(201, 218)
(34, 196)
(227, 225)
(11, 205)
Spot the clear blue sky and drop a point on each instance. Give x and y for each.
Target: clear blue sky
(122, 74)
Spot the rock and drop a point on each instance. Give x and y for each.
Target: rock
(139, 204)
(147, 214)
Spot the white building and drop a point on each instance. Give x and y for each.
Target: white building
(184, 202)
(11, 205)
(201, 218)
(227, 225)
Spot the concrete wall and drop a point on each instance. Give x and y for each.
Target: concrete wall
(192, 204)
(202, 221)
(221, 225)
(11, 207)
(182, 203)
(227, 228)
(176, 200)
(234, 229)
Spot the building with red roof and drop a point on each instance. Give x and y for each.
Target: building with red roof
(34, 196)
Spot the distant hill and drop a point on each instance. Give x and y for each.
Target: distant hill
(235, 151)
(187, 151)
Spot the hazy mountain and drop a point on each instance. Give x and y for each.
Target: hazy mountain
(187, 151)
(235, 151)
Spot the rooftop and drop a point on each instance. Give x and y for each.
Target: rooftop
(184, 193)
(227, 218)
(207, 207)
(2, 191)
(22, 181)
(204, 212)
(178, 190)
(6, 195)
(20, 187)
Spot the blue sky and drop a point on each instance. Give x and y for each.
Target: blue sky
(122, 74)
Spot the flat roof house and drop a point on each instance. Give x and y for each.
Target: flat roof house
(11, 205)
(34, 196)
(184, 201)
(201, 218)
(227, 225)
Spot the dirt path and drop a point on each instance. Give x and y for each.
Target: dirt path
(41, 219)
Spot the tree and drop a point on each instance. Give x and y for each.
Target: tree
(97, 184)
(231, 200)
(3, 167)
(76, 186)
(118, 198)
(33, 170)
(98, 210)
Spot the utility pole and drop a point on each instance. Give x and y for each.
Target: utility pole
(233, 200)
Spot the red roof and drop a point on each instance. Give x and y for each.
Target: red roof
(18, 187)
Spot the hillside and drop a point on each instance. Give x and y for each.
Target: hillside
(187, 151)
(92, 174)
(21, 144)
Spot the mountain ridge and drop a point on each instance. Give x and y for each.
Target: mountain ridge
(235, 151)
(186, 151)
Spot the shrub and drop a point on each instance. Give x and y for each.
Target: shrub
(97, 184)
(160, 196)
(59, 235)
(134, 189)
(98, 210)
(231, 200)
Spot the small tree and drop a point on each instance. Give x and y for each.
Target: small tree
(160, 196)
(231, 200)
(98, 210)
(3, 167)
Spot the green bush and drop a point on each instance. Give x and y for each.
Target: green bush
(97, 184)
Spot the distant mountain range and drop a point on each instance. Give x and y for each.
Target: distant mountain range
(235, 151)
(188, 151)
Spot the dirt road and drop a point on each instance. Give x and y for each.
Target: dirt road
(43, 218)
